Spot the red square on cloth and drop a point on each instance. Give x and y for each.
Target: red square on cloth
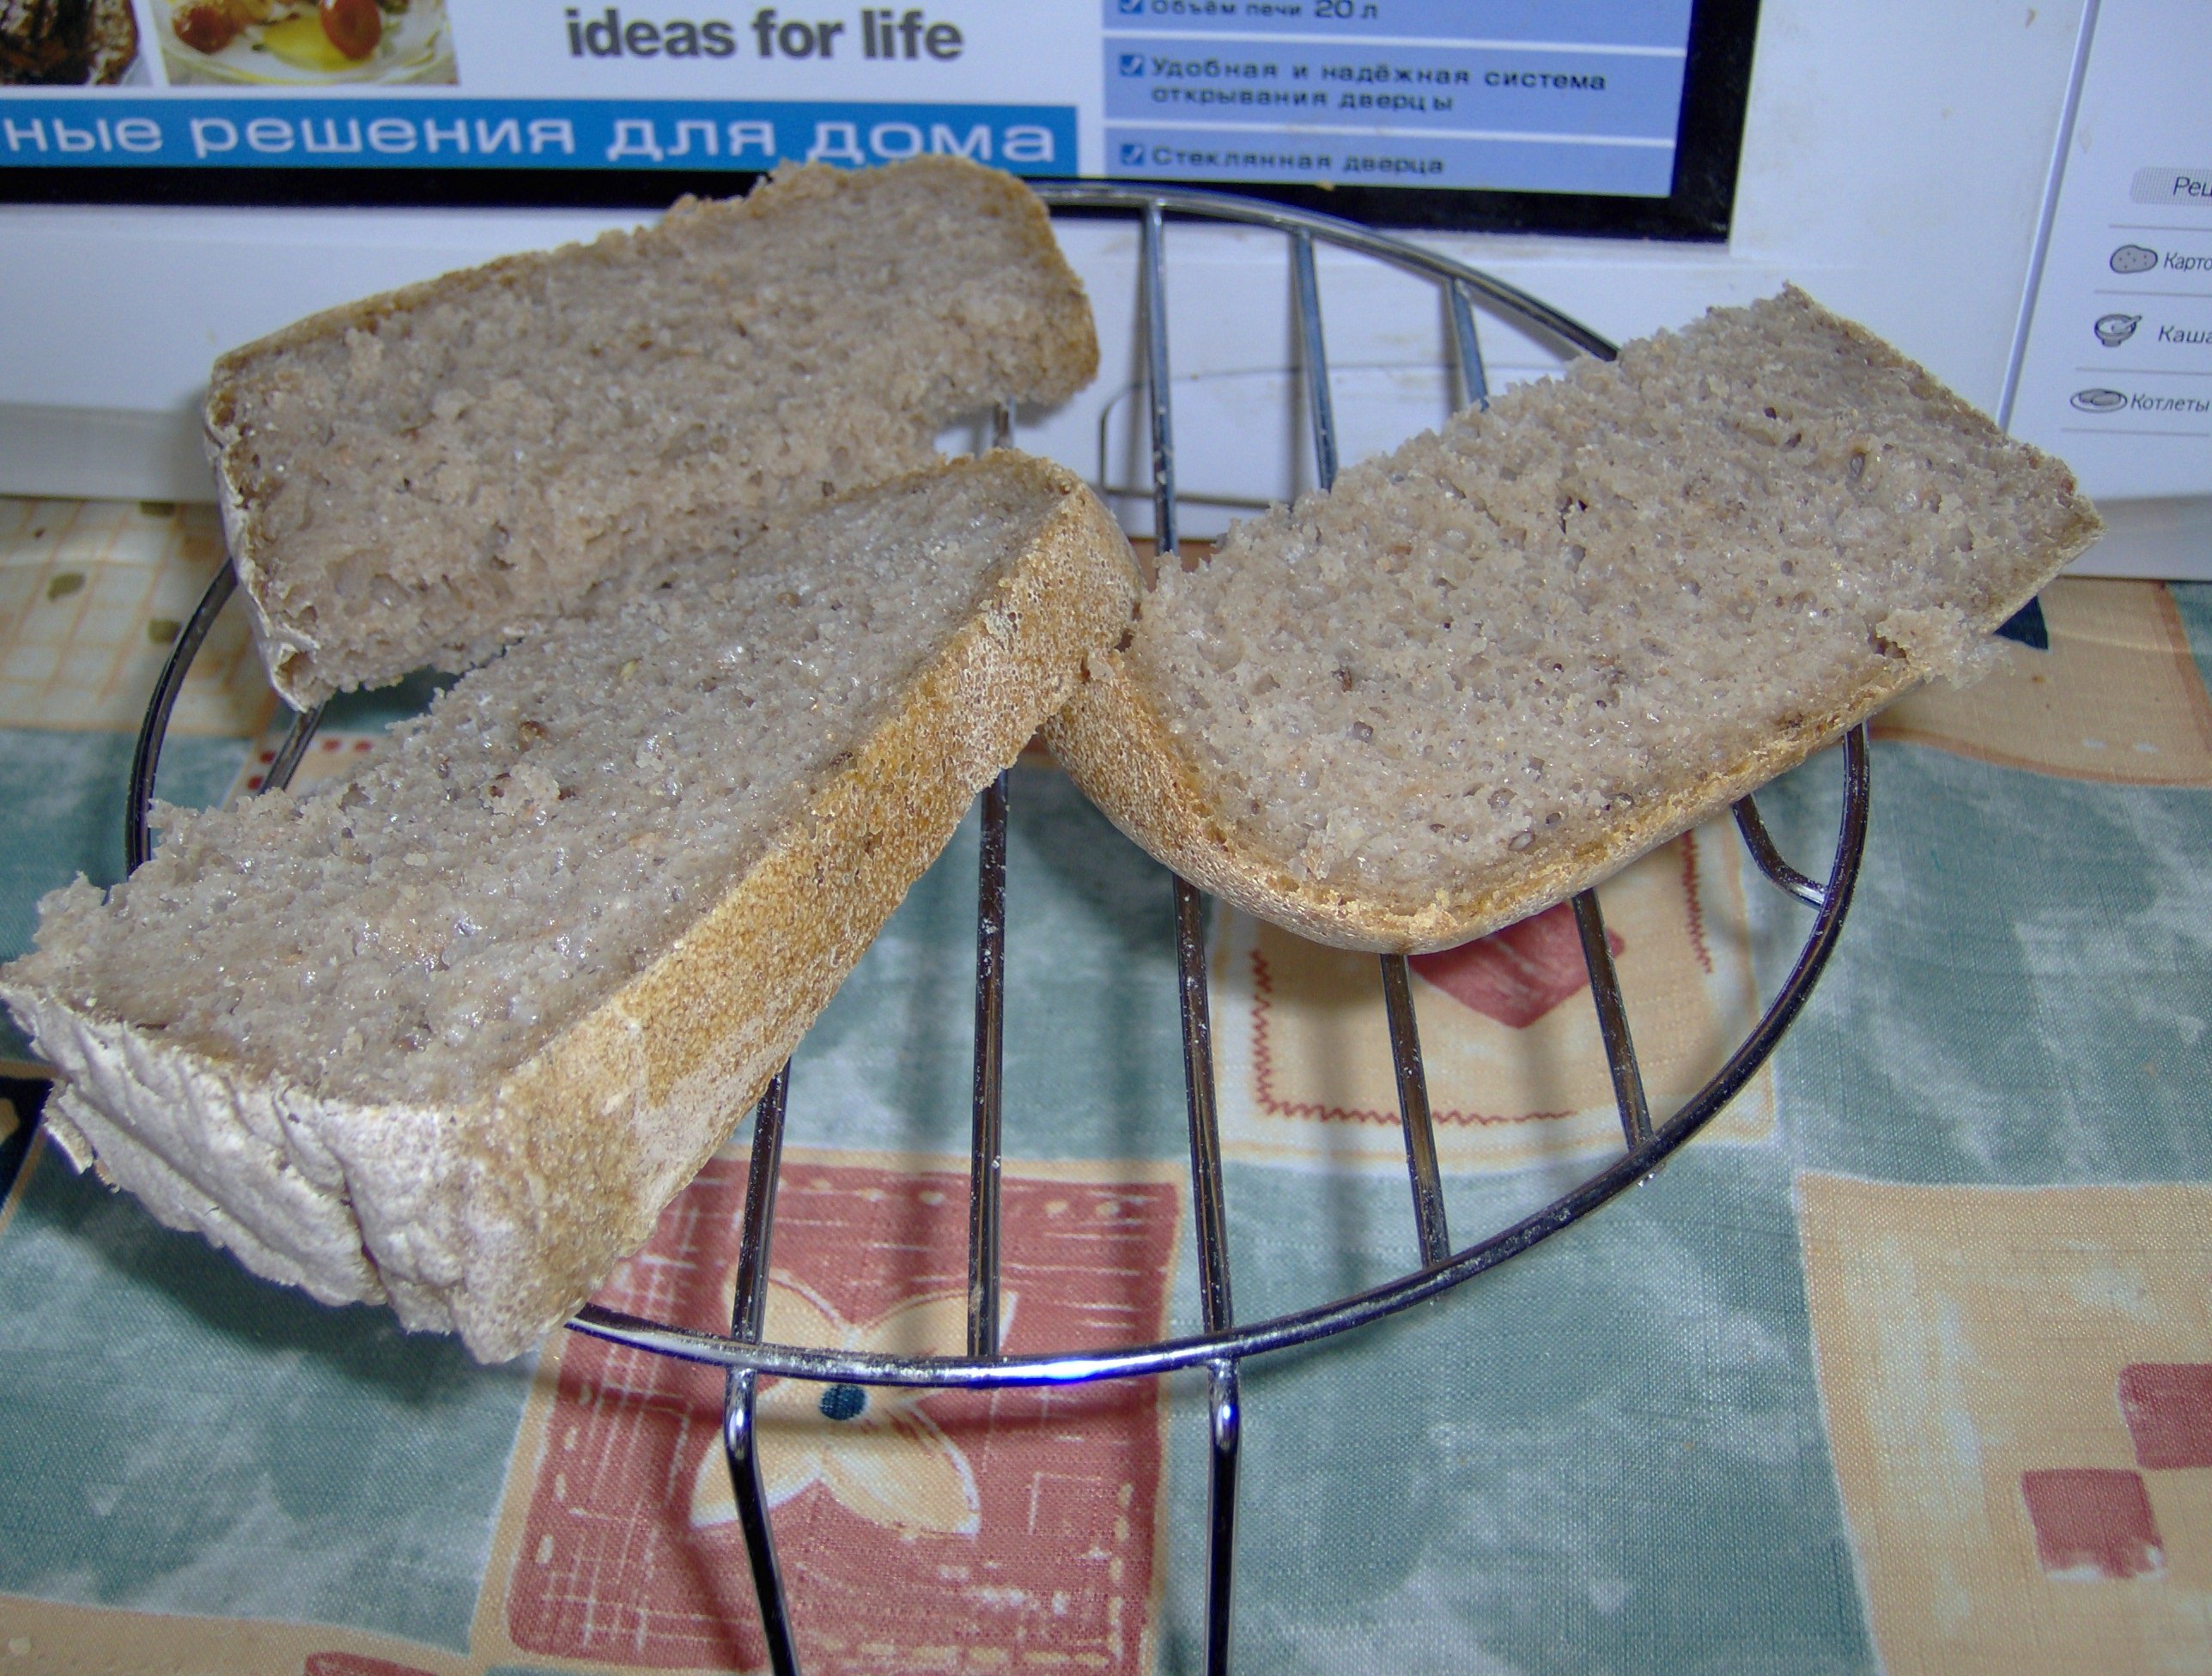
(1518, 974)
(2092, 1523)
(2168, 1408)
(913, 1529)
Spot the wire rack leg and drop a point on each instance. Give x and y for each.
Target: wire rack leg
(739, 1440)
(1223, 1411)
(1159, 383)
(153, 732)
(986, 1144)
(1613, 1022)
(1760, 843)
(1429, 1223)
(1225, 1415)
(748, 1314)
(1208, 1199)
(146, 760)
(990, 1058)
(1321, 407)
(1225, 1420)
(1473, 381)
(297, 738)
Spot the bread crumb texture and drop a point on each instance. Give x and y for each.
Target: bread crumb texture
(1554, 615)
(499, 990)
(501, 863)
(420, 478)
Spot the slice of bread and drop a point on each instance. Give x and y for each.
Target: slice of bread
(1498, 665)
(451, 1031)
(422, 477)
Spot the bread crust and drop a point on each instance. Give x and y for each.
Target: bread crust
(1117, 746)
(497, 1219)
(1063, 359)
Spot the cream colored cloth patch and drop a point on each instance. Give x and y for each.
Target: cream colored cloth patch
(331, 753)
(1517, 1071)
(2018, 1386)
(2117, 697)
(92, 593)
(54, 1635)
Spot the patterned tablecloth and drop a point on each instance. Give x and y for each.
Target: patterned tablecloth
(1906, 1364)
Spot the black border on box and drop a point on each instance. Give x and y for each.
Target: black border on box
(1709, 143)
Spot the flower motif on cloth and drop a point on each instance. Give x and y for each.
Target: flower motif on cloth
(873, 1448)
(1027, 1519)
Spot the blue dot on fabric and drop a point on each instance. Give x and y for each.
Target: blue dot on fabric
(843, 1402)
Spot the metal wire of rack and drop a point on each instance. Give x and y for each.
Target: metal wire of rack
(1223, 1343)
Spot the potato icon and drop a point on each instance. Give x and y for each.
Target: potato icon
(2134, 259)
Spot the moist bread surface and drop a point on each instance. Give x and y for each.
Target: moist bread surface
(451, 1030)
(1497, 665)
(421, 478)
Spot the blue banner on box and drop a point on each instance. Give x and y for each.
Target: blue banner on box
(49, 130)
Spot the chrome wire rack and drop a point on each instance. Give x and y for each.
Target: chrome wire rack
(1224, 1343)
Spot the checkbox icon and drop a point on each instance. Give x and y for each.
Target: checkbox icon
(1132, 156)
(1132, 8)
(1132, 63)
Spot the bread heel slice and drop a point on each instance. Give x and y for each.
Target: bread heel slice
(420, 478)
(1493, 667)
(449, 1032)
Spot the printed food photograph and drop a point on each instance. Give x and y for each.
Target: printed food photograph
(305, 43)
(66, 43)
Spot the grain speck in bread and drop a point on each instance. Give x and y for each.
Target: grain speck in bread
(421, 478)
(451, 1030)
(1494, 666)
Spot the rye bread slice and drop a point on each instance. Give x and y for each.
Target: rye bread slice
(1497, 665)
(449, 1032)
(419, 478)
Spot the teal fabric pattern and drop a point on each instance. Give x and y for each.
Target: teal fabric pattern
(1687, 1436)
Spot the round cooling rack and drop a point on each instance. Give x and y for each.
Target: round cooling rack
(1224, 1342)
